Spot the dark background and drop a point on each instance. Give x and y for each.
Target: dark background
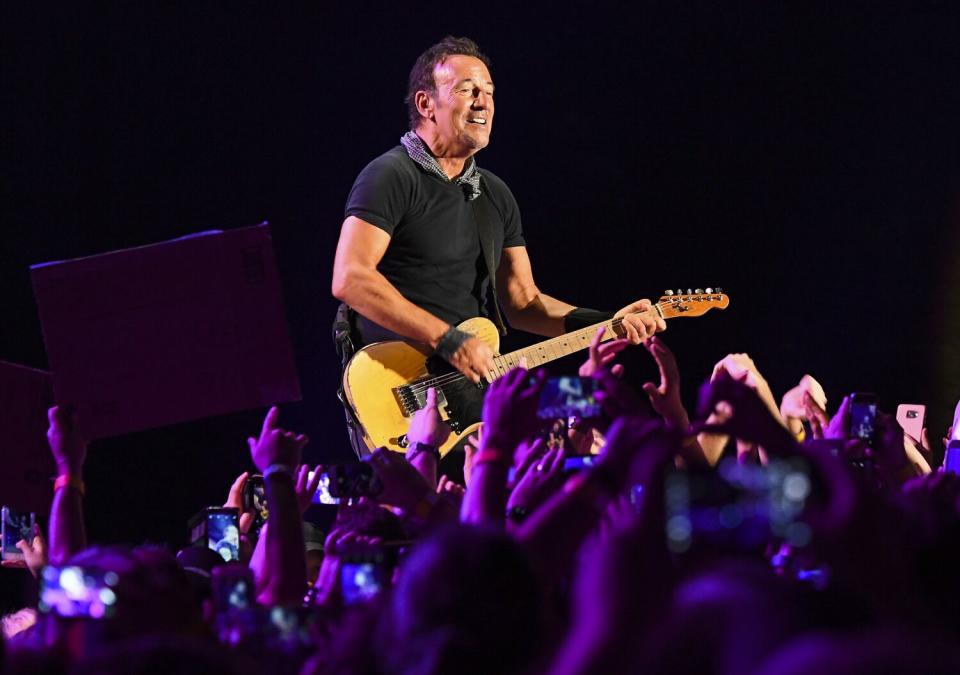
(803, 156)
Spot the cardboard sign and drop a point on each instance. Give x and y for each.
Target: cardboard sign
(160, 334)
(27, 467)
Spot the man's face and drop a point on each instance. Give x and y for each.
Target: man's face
(463, 104)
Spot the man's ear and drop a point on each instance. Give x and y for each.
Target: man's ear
(424, 103)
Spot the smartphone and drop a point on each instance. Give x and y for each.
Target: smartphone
(863, 417)
(232, 587)
(737, 507)
(322, 495)
(911, 417)
(364, 576)
(219, 529)
(564, 397)
(350, 481)
(579, 462)
(16, 525)
(255, 500)
(77, 592)
(951, 458)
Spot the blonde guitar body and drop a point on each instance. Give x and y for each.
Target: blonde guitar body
(374, 375)
(386, 383)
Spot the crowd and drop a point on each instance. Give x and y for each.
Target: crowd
(746, 536)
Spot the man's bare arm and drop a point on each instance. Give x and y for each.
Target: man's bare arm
(526, 307)
(531, 310)
(357, 282)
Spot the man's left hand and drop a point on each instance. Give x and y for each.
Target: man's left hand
(638, 322)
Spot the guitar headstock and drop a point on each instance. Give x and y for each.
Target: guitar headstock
(695, 302)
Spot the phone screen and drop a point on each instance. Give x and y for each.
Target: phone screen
(362, 580)
(232, 588)
(579, 462)
(569, 397)
(78, 592)
(223, 535)
(863, 417)
(951, 458)
(322, 495)
(16, 525)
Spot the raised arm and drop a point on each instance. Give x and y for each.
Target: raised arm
(67, 531)
(277, 454)
(527, 308)
(357, 282)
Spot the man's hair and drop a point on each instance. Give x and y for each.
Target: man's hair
(421, 75)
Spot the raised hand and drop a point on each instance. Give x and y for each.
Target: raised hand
(638, 322)
(426, 426)
(276, 445)
(539, 481)
(306, 486)
(403, 486)
(68, 448)
(235, 500)
(665, 398)
(510, 409)
(602, 353)
(750, 418)
(470, 448)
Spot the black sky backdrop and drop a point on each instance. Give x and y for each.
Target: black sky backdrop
(803, 156)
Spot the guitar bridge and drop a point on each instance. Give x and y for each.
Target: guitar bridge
(412, 397)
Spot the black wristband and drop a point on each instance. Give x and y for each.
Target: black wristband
(451, 342)
(581, 317)
(417, 447)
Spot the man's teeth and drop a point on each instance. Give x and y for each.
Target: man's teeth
(478, 120)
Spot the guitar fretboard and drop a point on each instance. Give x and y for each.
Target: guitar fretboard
(556, 348)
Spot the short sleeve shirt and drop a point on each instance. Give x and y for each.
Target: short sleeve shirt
(434, 257)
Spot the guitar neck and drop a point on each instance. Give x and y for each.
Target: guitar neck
(560, 346)
(689, 304)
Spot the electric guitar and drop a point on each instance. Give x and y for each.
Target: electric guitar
(386, 383)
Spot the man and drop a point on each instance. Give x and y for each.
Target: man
(409, 260)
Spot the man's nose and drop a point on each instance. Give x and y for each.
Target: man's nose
(481, 100)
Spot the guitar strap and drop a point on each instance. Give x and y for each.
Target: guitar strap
(484, 215)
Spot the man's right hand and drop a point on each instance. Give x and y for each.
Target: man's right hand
(474, 359)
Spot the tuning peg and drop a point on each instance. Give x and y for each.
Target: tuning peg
(689, 291)
(698, 291)
(668, 292)
(719, 290)
(709, 291)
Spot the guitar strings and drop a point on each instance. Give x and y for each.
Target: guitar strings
(450, 378)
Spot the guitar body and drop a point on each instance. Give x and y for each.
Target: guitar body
(380, 383)
(386, 383)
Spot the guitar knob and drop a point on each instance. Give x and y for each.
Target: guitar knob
(668, 292)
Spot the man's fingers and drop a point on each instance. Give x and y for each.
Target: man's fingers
(617, 370)
(431, 397)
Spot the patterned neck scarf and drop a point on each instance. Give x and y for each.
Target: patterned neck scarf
(469, 180)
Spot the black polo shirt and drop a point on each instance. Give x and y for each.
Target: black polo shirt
(434, 258)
